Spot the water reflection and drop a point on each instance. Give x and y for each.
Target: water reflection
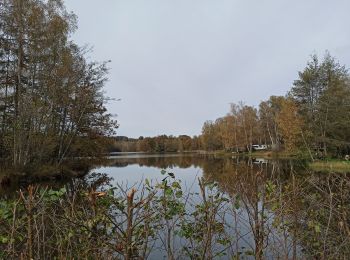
(283, 209)
(276, 208)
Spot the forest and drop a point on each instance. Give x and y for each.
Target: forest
(312, 120)
(52, 104)
(157, 144)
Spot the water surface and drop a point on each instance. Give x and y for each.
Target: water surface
(292, 211)
(275, 208)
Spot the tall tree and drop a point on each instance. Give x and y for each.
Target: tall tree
(268, 112)
(210, 137)
(322, 94)
(51, 99)
(290, 124)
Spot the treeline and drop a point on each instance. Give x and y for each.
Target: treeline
(314, 116)
(313, 119)
(246, 125)
(51, 100)
(157, 144)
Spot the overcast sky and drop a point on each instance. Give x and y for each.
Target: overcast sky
(178, 63)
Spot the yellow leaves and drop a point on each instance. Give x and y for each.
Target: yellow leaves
(290, 124)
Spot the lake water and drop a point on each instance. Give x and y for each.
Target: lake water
(277, 207)
(281, 203)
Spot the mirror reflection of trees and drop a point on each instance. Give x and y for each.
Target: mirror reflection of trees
(288, 211)
(274, 209)
(280, 208)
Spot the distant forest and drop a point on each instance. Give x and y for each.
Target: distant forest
(158, 144)
(313, 119)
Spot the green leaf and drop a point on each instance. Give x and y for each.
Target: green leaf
(317, 228)
(168, 192)
(178, 194)
(176, 185)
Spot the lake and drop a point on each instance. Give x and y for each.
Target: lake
(297, 192)
(268, 208)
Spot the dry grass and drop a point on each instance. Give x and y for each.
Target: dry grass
(331, 166)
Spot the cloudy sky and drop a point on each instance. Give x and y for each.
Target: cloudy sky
(177, 63)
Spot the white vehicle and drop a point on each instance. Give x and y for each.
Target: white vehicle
(259, 147)
(260, 161)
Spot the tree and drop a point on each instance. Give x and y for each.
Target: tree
(184, 142)
(51, 100)
(322, 94)
(210, 138)
(226, 131)
(290, 125)
(247, 125)
(268, 112)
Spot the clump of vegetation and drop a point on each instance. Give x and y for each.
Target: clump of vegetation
(110, 222)
(248, 214)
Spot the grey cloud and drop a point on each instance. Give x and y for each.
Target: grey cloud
(177, 63)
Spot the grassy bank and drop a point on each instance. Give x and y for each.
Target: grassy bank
(273, 154)
(330, 166)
